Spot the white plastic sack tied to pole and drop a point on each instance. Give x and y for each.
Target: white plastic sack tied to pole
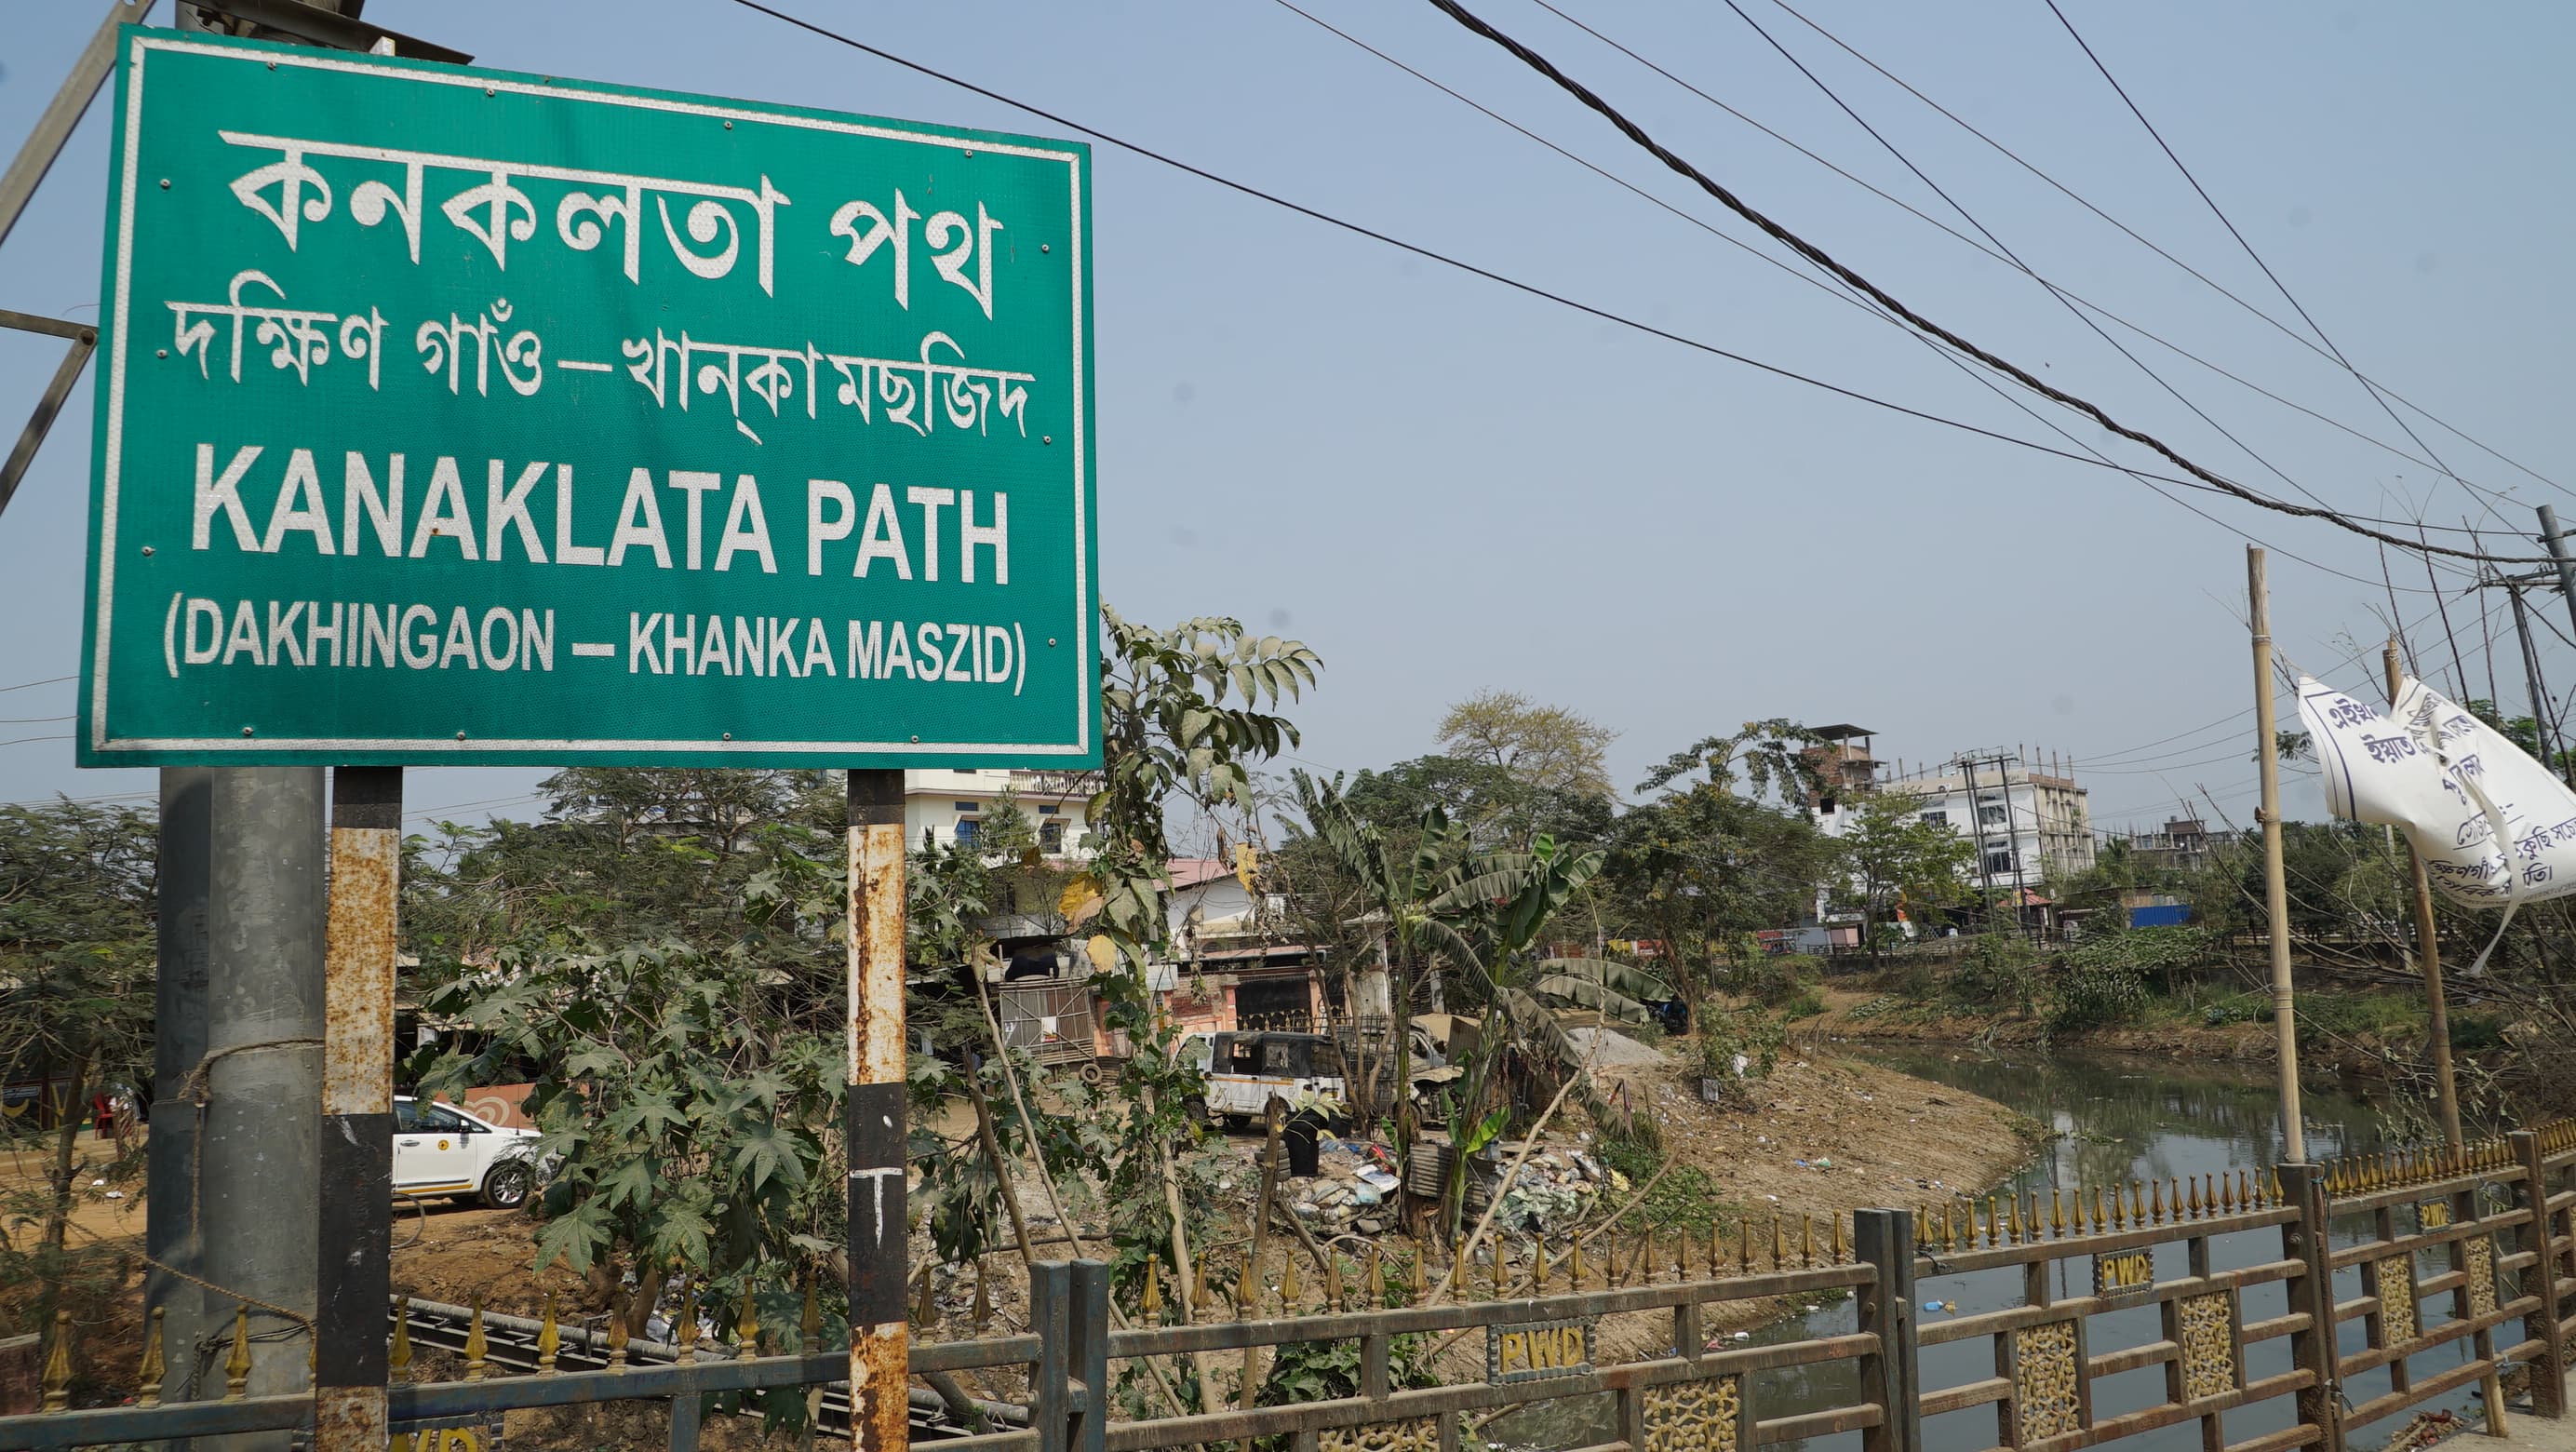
(2493, 827)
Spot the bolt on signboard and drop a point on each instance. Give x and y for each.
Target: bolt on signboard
(455, 416)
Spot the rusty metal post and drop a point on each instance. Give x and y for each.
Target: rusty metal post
(2538, 1237)
(356, 1267)
(879, 1346)
(2305, 1241)
(1884, 1240)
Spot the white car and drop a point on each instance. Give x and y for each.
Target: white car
(441, 1150)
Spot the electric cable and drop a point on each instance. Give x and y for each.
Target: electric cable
(1604, 314)
(1826, 260)
(1846, 295)
(2286, 331)
(2011, 256)
(2216, 211)
(2066, 293)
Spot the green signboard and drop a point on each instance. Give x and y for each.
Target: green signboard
(450, 415)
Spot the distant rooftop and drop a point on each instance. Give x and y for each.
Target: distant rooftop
(1843, 732)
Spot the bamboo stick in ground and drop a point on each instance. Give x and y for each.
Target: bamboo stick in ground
(1073, 1231)
(1511, 1172)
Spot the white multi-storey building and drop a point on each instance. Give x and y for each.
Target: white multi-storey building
(2028, 826)
(948, 806)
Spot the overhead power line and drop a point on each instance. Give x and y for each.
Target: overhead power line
(1844, 295)
(2054, 292)
(2016, 158)
(1883, 298)
(1588, 309)
(2223, 220)
(2053, 285)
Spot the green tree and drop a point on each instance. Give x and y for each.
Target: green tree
(1896, 857)
(78, 893)
(670, 970)
(1545, 748)
(1771, 755)
(1491, 804)
(1699, 868)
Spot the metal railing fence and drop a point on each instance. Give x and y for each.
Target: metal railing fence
(2272, 1310)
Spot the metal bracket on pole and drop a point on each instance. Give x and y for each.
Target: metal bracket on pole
(41, 422)
(331, 29)
(54, 127)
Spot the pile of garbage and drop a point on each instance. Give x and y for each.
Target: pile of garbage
(1357, 1184)
(1554, 1189)
(1354, 1188)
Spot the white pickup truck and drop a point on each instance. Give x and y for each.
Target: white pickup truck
(1241, 1071)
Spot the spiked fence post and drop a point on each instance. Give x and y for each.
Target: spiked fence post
(549, 1339)
(2305, 1240)
(1884, 1240)
(57, 1376)
(236, 1365)
(156, 1367)
(2539, 1237)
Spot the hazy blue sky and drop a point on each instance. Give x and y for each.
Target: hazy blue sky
(1444, 486)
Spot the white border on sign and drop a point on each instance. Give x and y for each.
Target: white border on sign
(112, 462)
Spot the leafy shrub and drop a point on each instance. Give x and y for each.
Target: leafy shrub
(1999, 970)
(1726, 1033)
(2096, 991)
(1807, 1004)
(2239, 1008)
(1684, 1198)
(2374, 1017)
(2477, 1033)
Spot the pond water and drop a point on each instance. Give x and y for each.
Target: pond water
(2116, 1119)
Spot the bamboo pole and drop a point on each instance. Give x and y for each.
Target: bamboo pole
(2428, 952)
(2275, 894)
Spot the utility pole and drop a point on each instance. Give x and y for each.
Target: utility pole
(260, 1081)
(2002, 763)
(2276, 899)
(170, 1232)
(2545, 741)
(2428, 951)
(2557, 542)
(1977, 834)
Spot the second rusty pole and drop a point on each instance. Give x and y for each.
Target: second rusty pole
(356, 1265)
(880, 1419)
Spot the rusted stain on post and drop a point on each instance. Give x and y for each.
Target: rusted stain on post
(358, 972)
(349, 1416)
(356, 1160)
(880, 1411)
